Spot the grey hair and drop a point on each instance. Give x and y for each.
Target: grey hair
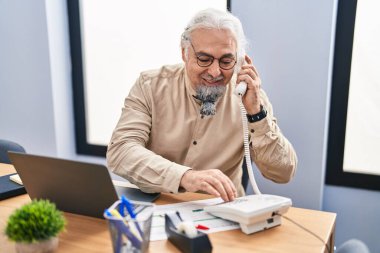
(216, 19)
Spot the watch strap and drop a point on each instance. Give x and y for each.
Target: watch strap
(258, 116)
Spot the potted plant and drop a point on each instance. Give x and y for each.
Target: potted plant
(35, 226)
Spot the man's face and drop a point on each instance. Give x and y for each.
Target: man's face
(219, 44)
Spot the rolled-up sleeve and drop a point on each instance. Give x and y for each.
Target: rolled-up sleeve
(127, 155)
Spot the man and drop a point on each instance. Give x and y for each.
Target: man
(181, 126)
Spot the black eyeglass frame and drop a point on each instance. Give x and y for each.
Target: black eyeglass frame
(212, 60)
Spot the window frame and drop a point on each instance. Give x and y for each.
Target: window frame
(335, 175)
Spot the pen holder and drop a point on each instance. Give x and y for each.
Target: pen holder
(200, 243)
(130, 234)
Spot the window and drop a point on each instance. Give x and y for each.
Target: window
(111, 43)
(353, 157)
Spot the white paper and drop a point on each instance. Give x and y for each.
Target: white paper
(193, 211)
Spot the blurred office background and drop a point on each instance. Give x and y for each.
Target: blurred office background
(292, 45)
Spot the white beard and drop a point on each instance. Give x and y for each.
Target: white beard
(208, 95)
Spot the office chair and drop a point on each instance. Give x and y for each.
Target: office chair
(6, 146)
(353, 246)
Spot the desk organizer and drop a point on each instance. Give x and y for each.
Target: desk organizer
(129, 234)
(200, 243)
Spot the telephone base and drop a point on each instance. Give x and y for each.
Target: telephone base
(261, 225)
(253, 212)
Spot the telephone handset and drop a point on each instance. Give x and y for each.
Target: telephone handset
(241, 88)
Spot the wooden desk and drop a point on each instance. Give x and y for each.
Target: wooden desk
(86, 234)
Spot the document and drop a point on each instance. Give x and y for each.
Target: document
(192, 210)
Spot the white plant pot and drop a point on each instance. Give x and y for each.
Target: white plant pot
(46, 246)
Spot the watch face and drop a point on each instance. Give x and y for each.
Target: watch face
(264, 111)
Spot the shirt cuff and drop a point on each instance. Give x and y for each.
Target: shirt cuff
(260, 127)
(174, 176)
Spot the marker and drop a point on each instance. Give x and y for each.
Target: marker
(201, 227)
(116, 214)
(197, 210)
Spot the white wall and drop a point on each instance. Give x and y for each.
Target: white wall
(26, 109)
(290, 46)
(59, 56)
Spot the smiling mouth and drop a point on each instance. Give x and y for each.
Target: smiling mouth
(213, 82)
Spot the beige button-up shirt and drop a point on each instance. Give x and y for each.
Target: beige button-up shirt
(161, 135)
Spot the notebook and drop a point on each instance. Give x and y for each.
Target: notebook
(75, 187)
(9, 188)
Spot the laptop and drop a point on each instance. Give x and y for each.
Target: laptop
(75, 187)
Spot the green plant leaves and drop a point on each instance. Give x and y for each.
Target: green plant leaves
(36, 221)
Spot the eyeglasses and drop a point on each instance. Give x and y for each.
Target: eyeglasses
(205, 60)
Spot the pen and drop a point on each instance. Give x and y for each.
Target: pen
(116, 214)
(129, 207)
(121, 209)
(121, 227)
(119, 241)
(136, 242)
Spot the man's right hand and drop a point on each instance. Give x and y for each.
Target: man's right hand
(211, 181)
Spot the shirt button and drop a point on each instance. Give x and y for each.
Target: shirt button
(252, 131)
(195, 142)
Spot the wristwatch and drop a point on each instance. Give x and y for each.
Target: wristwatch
(258, 116)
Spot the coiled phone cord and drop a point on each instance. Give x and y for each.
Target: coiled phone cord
(240, 92)
(246, 148)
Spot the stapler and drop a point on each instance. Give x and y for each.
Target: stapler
(186, 239)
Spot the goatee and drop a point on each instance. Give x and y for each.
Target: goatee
(208, 95)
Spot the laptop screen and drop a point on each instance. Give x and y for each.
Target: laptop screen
(75, 187)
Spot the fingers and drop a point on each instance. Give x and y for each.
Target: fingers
(248, 59)
(249, 74)
(255, 70)
(206, 187)
(222, 185)
(230, 188)
(211, 181)
(250, 65)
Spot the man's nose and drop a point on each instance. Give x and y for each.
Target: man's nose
(214, 69)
